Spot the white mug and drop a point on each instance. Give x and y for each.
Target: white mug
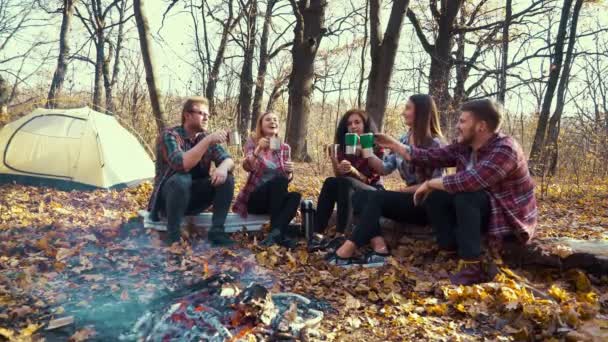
(275, 144)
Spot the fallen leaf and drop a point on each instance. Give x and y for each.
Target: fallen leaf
(83, 335)
(60, 322)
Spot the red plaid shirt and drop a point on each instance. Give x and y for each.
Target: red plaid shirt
(256, 166)
(362, 165)
(502, 172)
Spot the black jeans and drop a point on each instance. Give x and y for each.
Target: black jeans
(398, 206)
(181, 194)
(337, 190)
(459, 220)
(273, 198)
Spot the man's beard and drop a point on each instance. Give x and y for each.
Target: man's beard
(198, 127)
(465, 139)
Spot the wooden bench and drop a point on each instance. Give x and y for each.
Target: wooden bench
(234, 222)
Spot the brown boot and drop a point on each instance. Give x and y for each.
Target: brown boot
(469, 273)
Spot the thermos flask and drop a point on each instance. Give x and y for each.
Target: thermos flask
(308, 216)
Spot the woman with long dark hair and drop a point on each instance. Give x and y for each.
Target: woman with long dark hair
(352, 173)
(270, 171)
(421, 117)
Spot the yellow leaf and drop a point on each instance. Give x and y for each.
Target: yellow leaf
(29, 330)
(438, 309)
(558, 293)
(7, 333)
(460, 308)
(352, 302)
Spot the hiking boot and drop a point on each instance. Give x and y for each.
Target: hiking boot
(219, 238)
(469, 273)
(273, 238)
(276, 237)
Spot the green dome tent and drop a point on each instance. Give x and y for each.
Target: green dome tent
(71, 149)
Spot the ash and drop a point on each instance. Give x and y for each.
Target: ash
(217, 309)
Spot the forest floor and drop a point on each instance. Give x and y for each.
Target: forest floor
(85, 254)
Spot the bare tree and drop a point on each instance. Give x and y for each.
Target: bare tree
(146, 52)
(267, 53)
(246, 77)
(555, 70)
(228, 23)
(383, 49)
(554, 122)
(110, 78)
(504, 57)
(99, 24)
(4, 95)
(64, 52)
(308, 31)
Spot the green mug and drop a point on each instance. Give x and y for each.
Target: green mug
(367, 144)
(350, 143)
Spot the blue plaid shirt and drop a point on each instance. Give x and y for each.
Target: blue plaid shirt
(170, 148)
(411, 174)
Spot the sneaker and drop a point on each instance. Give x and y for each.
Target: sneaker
(375, 259)
(469, 273)
(333, 259)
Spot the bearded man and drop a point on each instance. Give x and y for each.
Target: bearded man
(183, 183)
(491, 192)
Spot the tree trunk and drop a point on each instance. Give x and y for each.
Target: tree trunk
(554, 122)
(4, 97)
(363, 51)
(214, 75)
(441, 63)
(502, 82)
(64, 51)
(308, 31)
(246, 79)
(100, 42)
(146, 53)
(263, 66)
(277, 91)
(111, 79)
(383, 49)
(556, 66)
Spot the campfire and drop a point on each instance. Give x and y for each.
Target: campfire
(218, 309)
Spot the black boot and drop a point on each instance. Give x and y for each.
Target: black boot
(274, 237)
(219, 238)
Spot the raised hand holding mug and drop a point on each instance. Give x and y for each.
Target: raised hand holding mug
(234, 138)
(275, 143)
(351, 141)
(367, 145)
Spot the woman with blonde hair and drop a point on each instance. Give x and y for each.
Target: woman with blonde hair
(270, 172)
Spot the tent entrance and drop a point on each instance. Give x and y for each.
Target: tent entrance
(46, 145)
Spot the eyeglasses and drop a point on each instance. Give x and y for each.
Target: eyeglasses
(198, 112)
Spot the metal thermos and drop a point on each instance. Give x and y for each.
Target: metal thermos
(308, 217)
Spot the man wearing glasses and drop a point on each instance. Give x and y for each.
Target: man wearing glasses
(183, 183)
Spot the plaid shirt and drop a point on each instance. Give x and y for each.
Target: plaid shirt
(267, 162)
(362, 165)
(170, 147)
(410, 173)
(502, 172)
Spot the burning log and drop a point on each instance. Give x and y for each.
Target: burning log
(219, 311)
